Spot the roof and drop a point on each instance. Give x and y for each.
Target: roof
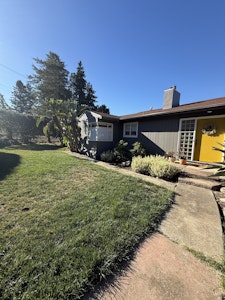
(195, 106)
(107, 116)
(206, 104)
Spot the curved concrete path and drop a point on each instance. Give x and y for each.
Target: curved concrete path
(164, 271)
(162, 268)
(194, 221)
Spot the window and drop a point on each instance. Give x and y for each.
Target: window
(130, 129)
(101, 132)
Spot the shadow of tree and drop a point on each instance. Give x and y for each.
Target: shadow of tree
(37, 147)
(8, 161)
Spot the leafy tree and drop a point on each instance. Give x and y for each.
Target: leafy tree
(51, 78)
(63, 115)
(23, 97)
(15, 126)
(102, 108)
(78, 85)
(3, 104)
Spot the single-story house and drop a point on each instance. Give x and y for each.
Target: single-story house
(192, 129)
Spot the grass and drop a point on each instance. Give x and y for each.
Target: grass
(67, 223)
(220, 267)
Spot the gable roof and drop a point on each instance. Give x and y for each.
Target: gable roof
(106, 116)
(195, 106)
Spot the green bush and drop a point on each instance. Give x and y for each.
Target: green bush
(156, 166)
(121, 152)
(138, 150)
(162, 168)
(107, 156)
(141, 164)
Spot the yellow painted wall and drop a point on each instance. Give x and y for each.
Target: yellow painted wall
(204, 142)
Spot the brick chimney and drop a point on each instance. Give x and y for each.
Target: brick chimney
(171, 98)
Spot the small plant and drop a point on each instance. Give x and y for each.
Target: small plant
(170, 154)
(121, 152)
(181, 154)
(156, 166)
(107, 156)
(220, 166)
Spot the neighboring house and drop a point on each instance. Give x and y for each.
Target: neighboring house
(192, 129)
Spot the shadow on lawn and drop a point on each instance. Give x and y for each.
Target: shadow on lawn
(35, 147)
(8, 161)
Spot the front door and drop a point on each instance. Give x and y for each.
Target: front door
(209, 133)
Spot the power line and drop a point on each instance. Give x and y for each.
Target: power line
(14, 71)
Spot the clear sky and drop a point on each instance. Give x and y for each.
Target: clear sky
(132, 50)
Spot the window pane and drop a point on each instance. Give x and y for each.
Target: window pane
(130, 129)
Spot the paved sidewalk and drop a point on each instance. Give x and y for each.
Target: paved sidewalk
(163, 270)
(194, 221)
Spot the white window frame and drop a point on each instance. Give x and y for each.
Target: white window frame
(98, 126)
(127, 127)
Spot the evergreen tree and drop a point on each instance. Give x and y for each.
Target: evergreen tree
(78, 85)
(102, 108)
(90, 95)
(3, 104)
(51, 78)
(23, 98)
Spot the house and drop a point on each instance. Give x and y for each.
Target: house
(192, 128)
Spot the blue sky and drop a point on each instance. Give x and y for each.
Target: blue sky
(132, 50)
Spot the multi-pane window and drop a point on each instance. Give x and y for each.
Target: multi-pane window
(130, 129)
(187, 137)
(101, 132)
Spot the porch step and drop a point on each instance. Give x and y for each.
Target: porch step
(200, 176)
(201, 182)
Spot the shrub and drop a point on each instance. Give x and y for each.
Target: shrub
(107, 156)
(138, 150)
(141, 164)
(121, 152)
(156, 166)
(162, 168)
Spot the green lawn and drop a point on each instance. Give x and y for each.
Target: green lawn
(66, 223)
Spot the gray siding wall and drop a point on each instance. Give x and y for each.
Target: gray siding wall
(157, 136)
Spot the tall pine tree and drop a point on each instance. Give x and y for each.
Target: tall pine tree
(3, 104)
(78, 85)
(90, 95)
(51, 78)
(22, 98)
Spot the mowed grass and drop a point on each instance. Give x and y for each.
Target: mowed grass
(66, 223)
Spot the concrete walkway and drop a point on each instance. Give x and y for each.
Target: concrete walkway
(163, 268)
(194, 221)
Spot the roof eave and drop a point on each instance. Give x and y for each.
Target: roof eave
(172, 111)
